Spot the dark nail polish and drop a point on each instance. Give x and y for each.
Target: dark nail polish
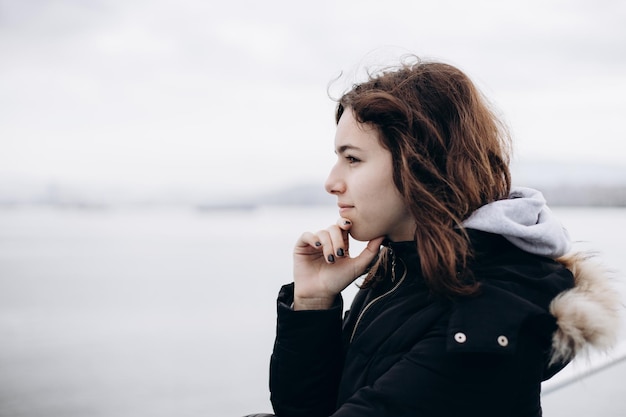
(339, 252)
(347, 222)
(318, 243)
(331, 258)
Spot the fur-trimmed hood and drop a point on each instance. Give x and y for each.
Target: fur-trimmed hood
(588, 315)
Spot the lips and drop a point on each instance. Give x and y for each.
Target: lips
(344, 207)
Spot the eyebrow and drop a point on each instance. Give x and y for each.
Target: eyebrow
(344, 148)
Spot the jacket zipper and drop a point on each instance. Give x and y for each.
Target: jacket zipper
(358, 320)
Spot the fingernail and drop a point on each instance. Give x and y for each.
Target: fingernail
(339, 252)
(347, 222)
(318, 243)
(331, 258)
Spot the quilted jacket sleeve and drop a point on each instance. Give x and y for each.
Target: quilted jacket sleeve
(307, 359)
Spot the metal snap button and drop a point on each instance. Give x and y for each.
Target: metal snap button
(460, 337)
(503, 341)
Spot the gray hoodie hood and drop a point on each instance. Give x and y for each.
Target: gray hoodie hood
(525, 220)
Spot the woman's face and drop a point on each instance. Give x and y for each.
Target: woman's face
(362, 180)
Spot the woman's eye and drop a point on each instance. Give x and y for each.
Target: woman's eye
(352, 159)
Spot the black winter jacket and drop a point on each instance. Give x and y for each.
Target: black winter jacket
(401, 351)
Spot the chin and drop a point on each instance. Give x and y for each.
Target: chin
(360, 236)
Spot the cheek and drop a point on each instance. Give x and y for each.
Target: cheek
(375, 190)
(379, 204)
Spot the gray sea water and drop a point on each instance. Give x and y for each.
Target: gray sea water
(163, 312)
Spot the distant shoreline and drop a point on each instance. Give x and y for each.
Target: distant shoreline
(308, 196)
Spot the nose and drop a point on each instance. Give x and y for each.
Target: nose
(334, 183)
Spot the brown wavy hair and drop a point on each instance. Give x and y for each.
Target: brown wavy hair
(450, 156)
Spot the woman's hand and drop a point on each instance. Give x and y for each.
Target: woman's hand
(322, 267)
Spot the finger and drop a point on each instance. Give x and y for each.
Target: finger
(344, 224)
(308, 244)
(339, 238)
(327, 246)
(309, 239)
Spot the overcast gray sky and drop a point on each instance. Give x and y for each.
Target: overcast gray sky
(233, 95)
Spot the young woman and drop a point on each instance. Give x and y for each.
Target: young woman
(469, 302)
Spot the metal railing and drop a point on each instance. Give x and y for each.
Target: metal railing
(584, 367)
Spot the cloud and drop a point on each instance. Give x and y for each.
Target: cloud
(234, 96)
